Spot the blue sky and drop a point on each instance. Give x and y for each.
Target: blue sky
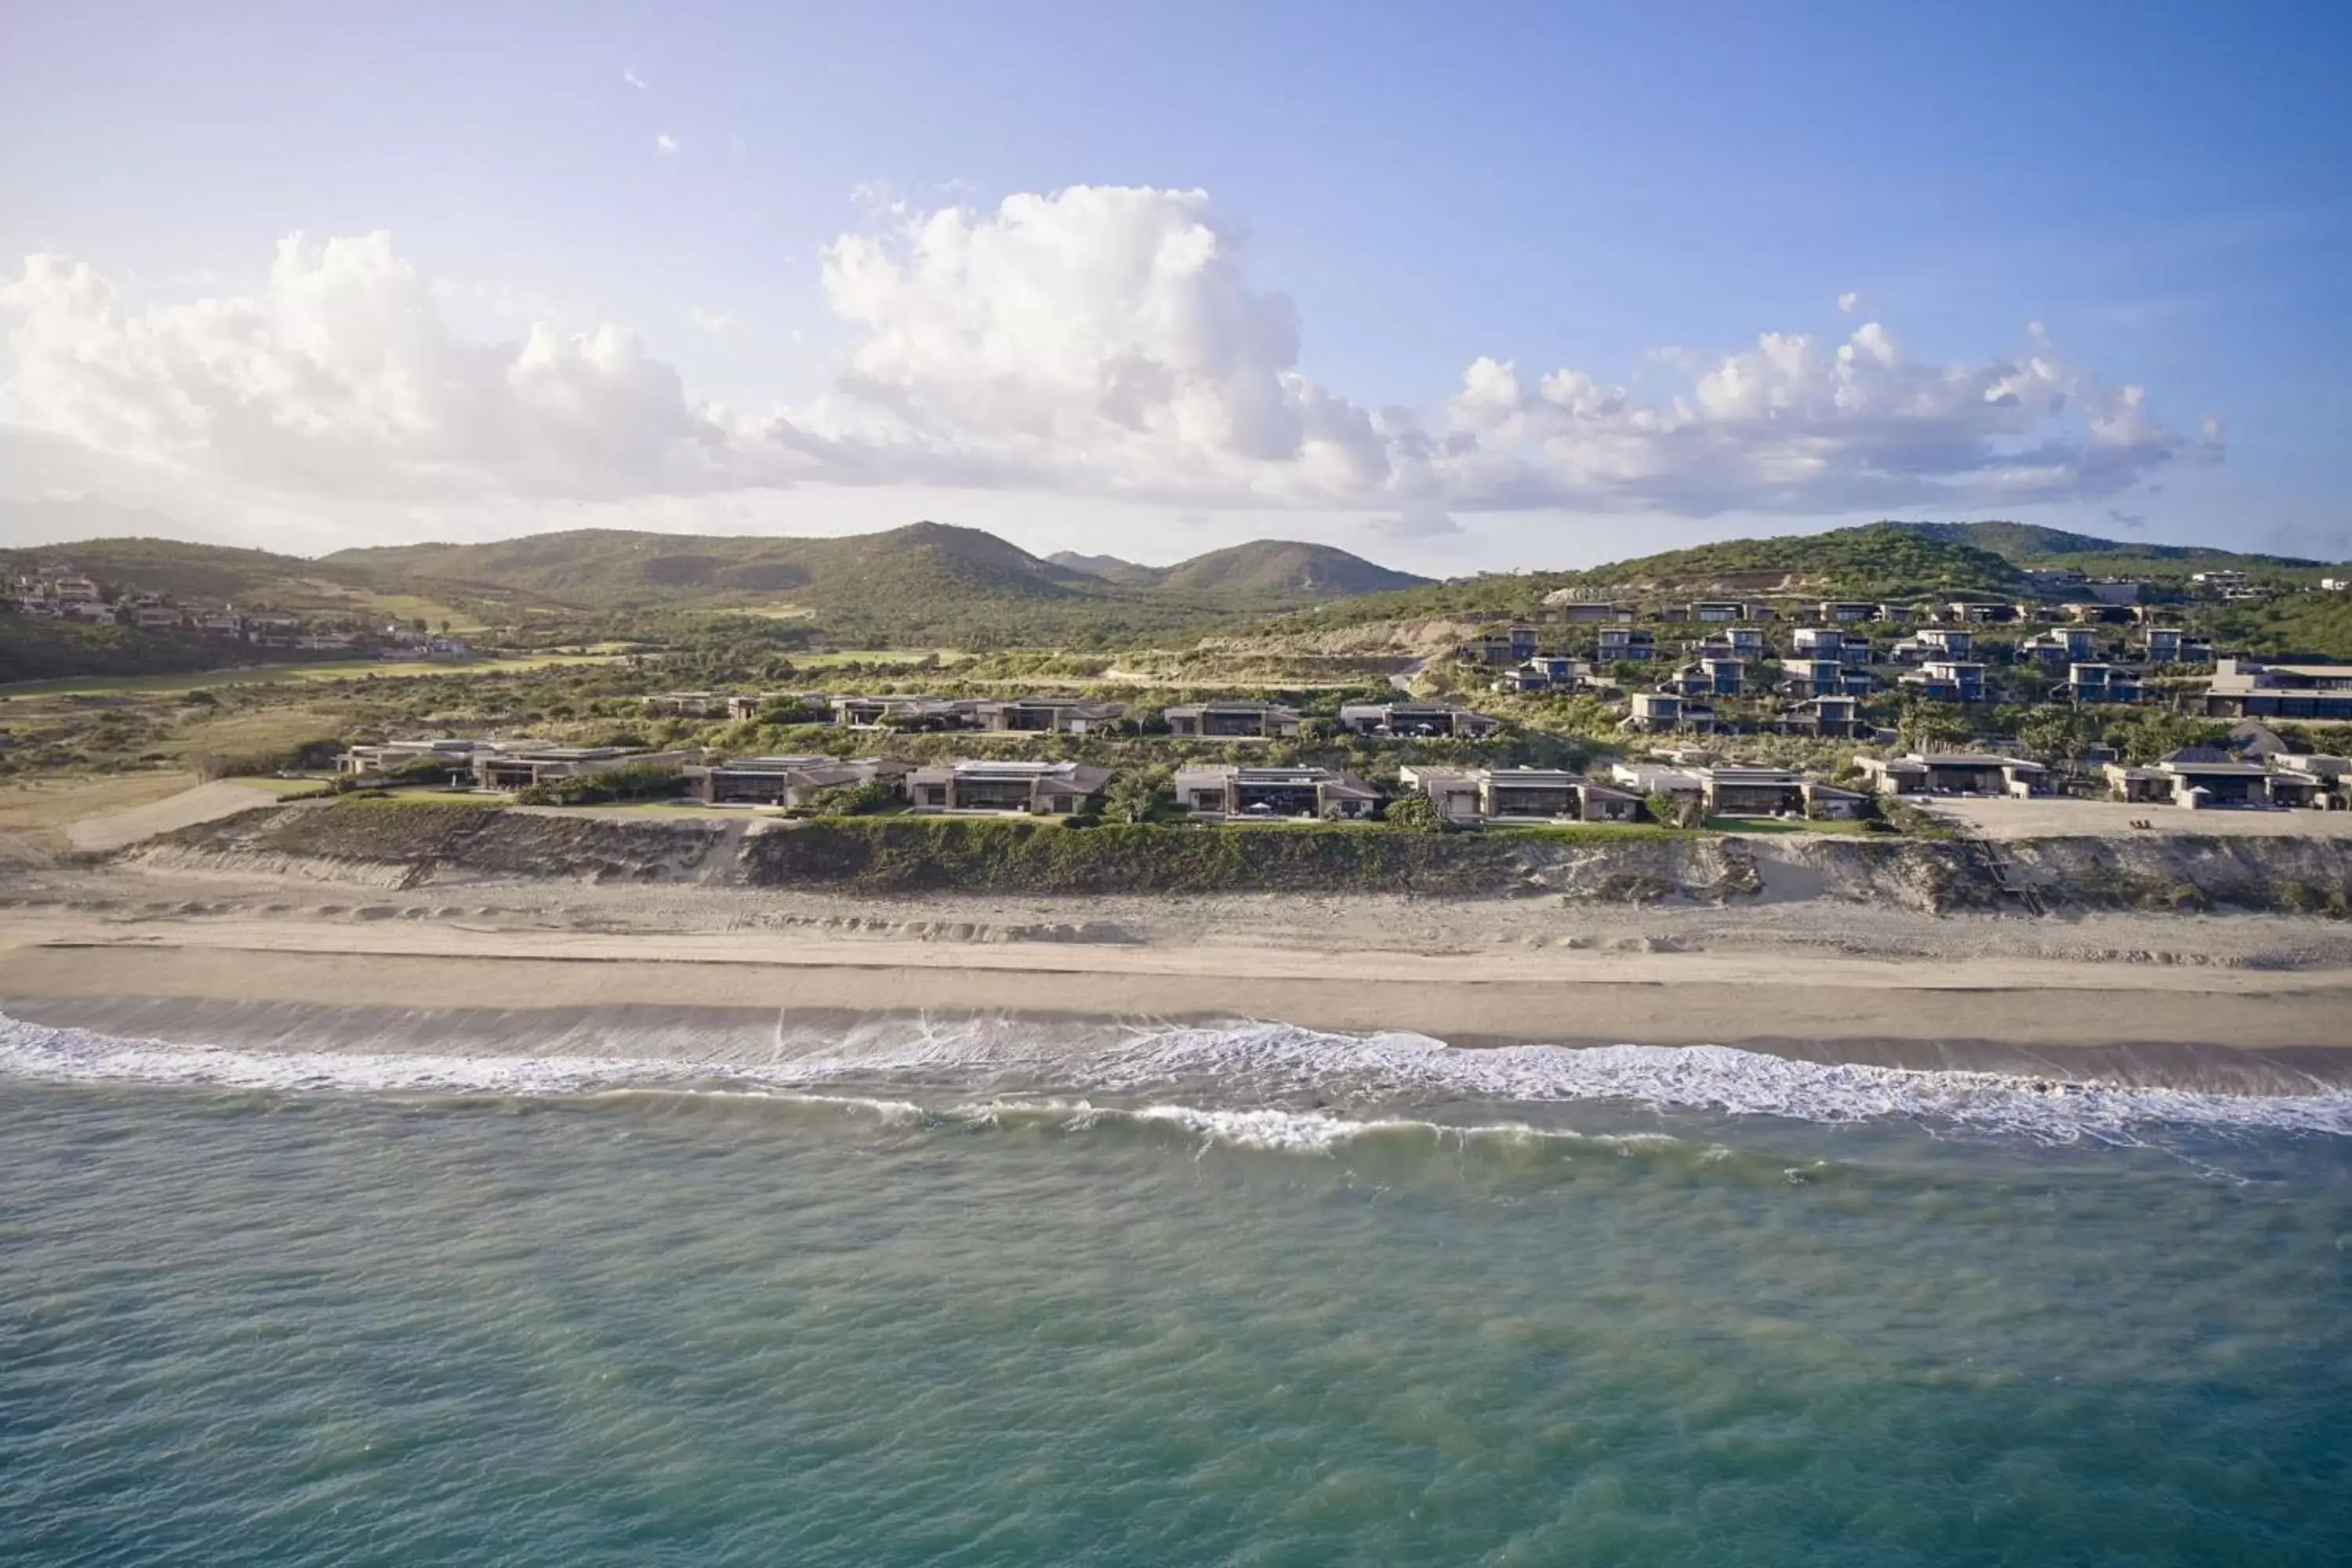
(1392, 196)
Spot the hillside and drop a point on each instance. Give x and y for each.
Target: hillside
(1279, 568)
(2029, 544)
(1109, 566)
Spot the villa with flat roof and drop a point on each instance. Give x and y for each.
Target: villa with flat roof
(1520, 794)
(1232, 790)
(2201, 777)
(904, 712)
(1227, 719)
(794, 781)
(519, 764)
(1956, 773)
(2253, 689)
(1401, 721)
(1046, 715)
(1007, 788)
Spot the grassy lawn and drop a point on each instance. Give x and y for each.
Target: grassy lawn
(288, 674)
(1778, 825)
(276, 785)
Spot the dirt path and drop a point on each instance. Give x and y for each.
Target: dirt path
(113, 829)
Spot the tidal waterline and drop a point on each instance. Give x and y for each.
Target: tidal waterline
(633, 1327)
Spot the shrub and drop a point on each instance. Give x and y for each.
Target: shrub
(853, 800)
(1416, 813)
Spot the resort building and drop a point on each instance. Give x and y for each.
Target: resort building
(1549, 672)
(1847, 610)
(2203, 776)
(904, 712)
(1669, 711)
(790, 781)
(2101, 683)
(2171, 644)
(1420, 721)
(519, 764)
(2250, 688)
(746, 706)
(1520, 794)
(1231, 790)
(1774, 792)
(1567, 614)
(1627, 644)
(1826, 716)
(1956, 773)
(1046, 715)
(450, 752)
(1007, 789)
(2062, 645)
(1232, 722)
(1948, 680)
(688, 704)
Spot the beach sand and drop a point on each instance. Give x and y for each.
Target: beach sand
(2256, 1003)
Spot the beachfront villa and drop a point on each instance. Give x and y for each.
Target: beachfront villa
(794, 781)
(1956, 773)
(2199, 777)
(1520, 794)
(1221, 790)
(519, 764)
(1007, 788)
(396, 756)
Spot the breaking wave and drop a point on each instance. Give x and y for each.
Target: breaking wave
(1260, 1084)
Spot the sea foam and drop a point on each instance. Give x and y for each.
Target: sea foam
(1242, 1082)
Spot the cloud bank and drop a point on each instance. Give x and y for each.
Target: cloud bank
(1094, 341)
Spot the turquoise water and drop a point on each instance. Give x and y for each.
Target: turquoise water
(305, 1323)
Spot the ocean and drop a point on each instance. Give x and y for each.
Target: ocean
(1028, 1293)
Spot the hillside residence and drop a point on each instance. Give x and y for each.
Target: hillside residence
(1972, 614)
(904, 712)
(2250, 688)
(1826, 716)
(1047, 715)
(1520, 794)
(1549, 672)
(1956, 773)
(1947, 642)
(1669, 711)
(689, 704)
(1230, 790)
(2101, 683)
(2223, 579)
(2335, 584)
(1724, 611)
(1627, 643)
(519, 764)
(390, 756)
(2171, 644)
(1008, 789)
(1713, 677)
(1417, 720)
(2062, 645)
(1229, 720)
(744, 707)
(1567, 614)
(1513, 645)
(1847, 610)
(790, 781)
(2198, 777)
(1948, 680)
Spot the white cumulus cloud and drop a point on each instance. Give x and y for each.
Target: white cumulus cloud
(665, 143)
(340, 377)
(1092, 341)
(1848, 300)
(633, 79)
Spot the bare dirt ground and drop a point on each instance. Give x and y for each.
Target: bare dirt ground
(205, 803)
(42, 809)
(2053, 818)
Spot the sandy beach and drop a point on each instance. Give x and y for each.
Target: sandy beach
(2255, 1002)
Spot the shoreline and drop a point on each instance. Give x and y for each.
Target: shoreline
(2218, 1029)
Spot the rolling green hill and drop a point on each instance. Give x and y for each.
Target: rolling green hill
(1279, 568)
(2029, 544)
